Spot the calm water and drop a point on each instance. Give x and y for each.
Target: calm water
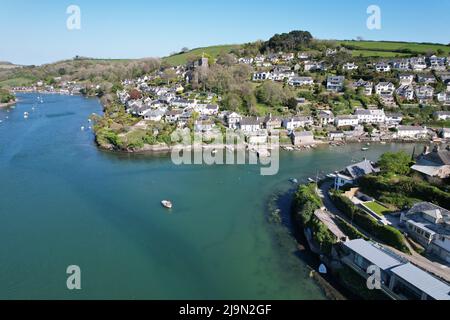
(63, 202)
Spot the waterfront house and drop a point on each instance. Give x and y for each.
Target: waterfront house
(335, 83)
(399, 279)
(336, 135)
(393, 119)
(371, 115)
(346, 121)
(297, 122)
(429, 225)
(272, 123)
(414, 132)
(250, 124)
(350, 174)
(302, 138)
(433, 165)
(232, 120)
(325, 117)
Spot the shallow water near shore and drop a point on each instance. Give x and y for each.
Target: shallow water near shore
(64, 202)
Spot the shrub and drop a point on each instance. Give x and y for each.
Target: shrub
(387, 234)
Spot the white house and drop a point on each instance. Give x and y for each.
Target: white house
(335, 83)
(442, 115)
(250, 124)
(382, 67)
(367, 85)
(350, 174)
(371, 115)
(173, 115)
(349, 66)
(406, 92)
(232, 119)
(297, 122)
(154, 115)
(411, 132)
(261, 76)
(326, 117)
(300, 81)
(418, 63)
(385, 89)
(406, 79)
(393, 119)
(424, 93)
(346, 120)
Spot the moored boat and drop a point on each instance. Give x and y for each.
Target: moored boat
(167, 204)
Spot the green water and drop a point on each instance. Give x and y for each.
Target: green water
(63, 202)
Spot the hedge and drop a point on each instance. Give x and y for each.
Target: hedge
(387, 234)
(404, 187)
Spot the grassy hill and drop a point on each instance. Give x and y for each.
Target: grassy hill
(80, 69)
(392, 49)
(213, 51)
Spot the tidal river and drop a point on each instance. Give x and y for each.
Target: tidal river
(64, 202)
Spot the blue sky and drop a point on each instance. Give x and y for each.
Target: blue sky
(34, 32)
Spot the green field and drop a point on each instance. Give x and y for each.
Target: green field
(392, 49)
(214, 51)
(378, 54)
(377, 208)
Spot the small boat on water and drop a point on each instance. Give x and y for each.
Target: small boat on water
(364, 149)
(311, 180)
(167, 204)
(26, 115)
(293, 180)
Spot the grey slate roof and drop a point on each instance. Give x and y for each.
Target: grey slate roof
(361, 169)
(373, 254)
(423, 281)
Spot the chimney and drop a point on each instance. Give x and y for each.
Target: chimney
(436, 149)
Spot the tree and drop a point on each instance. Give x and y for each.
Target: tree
(395, 163)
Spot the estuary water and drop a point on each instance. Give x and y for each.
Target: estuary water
(64, 202)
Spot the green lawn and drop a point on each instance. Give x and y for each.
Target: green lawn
(213, 51)
(378, 54)
(420, 48)
(377, 208)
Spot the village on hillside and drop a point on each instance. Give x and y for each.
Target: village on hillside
(307, 97)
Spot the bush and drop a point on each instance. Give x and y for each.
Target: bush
(387, 234)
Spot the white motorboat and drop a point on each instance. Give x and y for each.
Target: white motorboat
(167, 204)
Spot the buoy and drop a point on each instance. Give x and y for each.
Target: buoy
(323, 269)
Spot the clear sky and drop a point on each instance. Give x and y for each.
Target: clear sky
(35, 32)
